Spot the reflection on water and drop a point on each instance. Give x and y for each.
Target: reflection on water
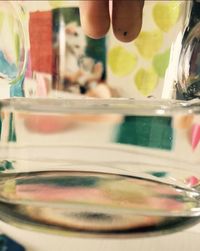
(27, 127)
(95, 203)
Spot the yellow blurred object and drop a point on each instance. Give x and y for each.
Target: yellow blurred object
(146, 80)
(121, 61)
(166, 15)
(148, 43)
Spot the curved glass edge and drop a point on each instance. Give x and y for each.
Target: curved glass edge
(120, 105)
(19, 14)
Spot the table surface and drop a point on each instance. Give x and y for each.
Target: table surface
(182, 241)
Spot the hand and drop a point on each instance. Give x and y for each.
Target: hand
(124, 15)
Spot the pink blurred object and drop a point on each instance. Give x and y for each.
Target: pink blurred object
(42, 85)
(192, 181)
(195, 135)
(29, 72)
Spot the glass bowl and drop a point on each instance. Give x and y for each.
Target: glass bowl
(93, 168)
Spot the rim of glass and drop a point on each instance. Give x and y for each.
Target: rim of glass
(126, 106)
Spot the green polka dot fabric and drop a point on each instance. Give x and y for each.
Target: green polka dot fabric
(138, 69)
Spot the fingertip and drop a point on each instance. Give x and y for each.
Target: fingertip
(128, 34)
(95, 19)
(127, 19)
(95, 31)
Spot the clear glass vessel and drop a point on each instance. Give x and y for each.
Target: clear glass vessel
(78, 156)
